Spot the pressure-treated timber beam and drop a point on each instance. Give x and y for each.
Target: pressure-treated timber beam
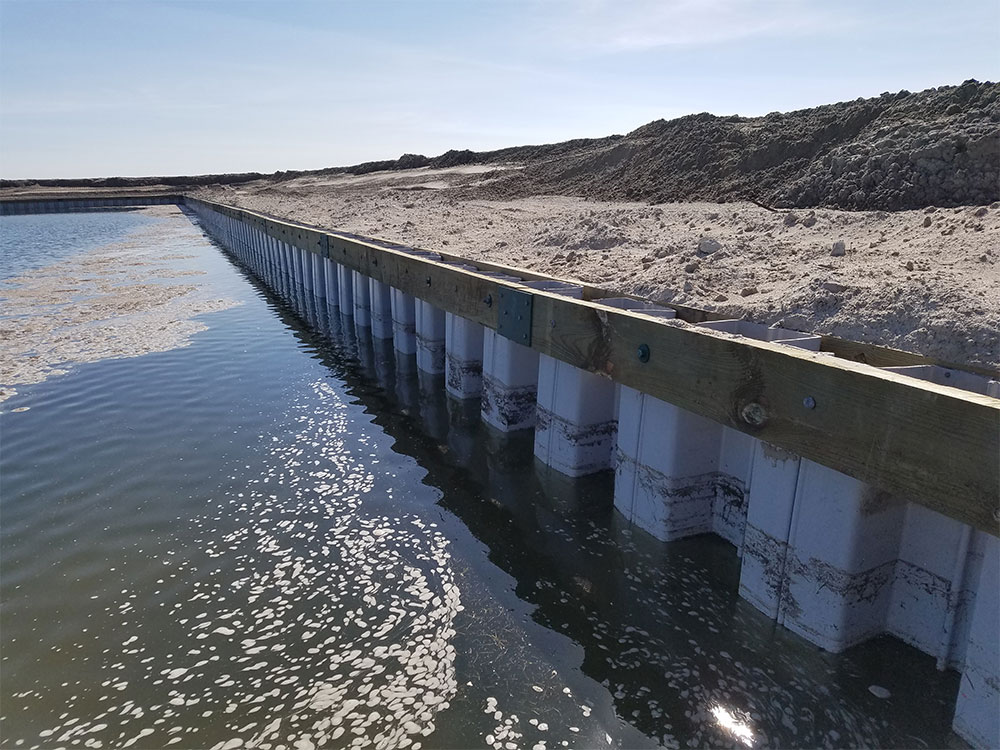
(936, 445)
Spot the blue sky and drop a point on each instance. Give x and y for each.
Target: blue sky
(137, 87)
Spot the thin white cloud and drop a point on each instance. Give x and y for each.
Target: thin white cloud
(635, 25)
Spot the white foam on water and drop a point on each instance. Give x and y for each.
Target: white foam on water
(104, 304)
(310, 621)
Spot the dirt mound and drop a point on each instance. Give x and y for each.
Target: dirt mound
(897, 151)
(457, 158)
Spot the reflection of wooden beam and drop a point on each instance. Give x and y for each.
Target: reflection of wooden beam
(936, 445)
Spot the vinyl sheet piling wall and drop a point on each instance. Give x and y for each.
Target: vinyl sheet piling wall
(825, 553)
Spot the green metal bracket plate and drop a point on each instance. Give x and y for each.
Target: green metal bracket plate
(514, 315)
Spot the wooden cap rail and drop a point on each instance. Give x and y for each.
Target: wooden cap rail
(936, 445)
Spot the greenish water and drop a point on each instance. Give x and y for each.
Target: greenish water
(279, 536)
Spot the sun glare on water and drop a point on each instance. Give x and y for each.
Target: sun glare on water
(735, 726)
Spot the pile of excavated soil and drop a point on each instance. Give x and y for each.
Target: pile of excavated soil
(925, 281)
(940, 147)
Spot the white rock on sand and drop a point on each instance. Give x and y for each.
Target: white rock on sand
(923, 281)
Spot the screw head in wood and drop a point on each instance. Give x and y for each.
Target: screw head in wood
(809, 402)
(643, 353)
(488, 300)
(754, 414)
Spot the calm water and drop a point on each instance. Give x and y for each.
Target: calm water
(34, 240)
(280, 537)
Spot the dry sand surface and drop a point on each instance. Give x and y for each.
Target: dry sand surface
(925, 281)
